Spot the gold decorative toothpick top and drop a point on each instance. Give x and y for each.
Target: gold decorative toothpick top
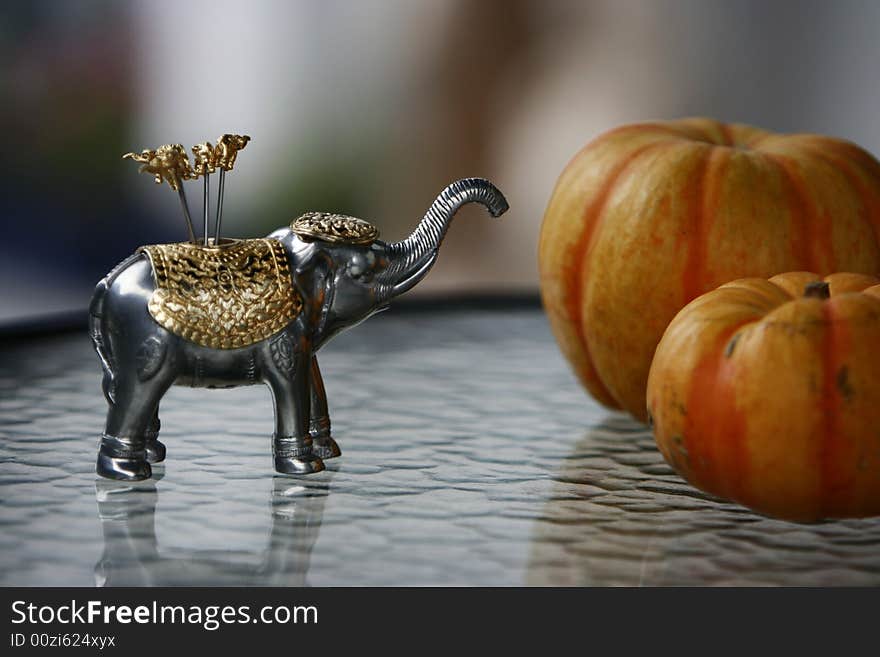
(227, 150)
(168, 163)
(225, 153)
(204, 159)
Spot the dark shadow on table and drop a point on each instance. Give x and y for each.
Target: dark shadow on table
(619, 516)
(132, 555)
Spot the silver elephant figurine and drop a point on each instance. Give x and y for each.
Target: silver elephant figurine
(246, 311)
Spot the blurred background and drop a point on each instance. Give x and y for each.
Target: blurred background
(370, 107)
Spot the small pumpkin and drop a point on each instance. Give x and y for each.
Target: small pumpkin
(649, 216)
(767, 392)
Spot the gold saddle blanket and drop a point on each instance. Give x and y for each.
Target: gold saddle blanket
(223, 297)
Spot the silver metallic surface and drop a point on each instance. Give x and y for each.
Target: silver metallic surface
(206, 207)
(478, 460)
(410, 259)
(220, 192)
(340, 284)
(181, 194)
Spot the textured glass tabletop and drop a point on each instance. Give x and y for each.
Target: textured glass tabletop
(474, 458)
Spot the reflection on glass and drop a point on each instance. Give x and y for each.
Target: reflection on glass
(132, 555)
(619, 516)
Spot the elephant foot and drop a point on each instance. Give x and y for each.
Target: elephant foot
(294, 456)
(155, 450)
(118, 459)
(325, 447)
(322, 443)
(295, 466)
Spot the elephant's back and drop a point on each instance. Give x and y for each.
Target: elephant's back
(105, 284)
(132, 279)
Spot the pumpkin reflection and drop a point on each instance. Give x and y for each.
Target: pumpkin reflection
(618, 515)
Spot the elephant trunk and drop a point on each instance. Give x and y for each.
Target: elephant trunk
(411, 259)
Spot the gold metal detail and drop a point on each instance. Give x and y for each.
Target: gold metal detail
(227, 150)
(204, 159)
(227, 296)
(337, 228)
(168, 163)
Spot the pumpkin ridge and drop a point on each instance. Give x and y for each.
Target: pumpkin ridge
(666, 129)
(753, 143)
(700, 215)
(832, 450)
(792, 283)
(727, 131)
(864, 192)
(710, 397)
(805, 219)
(574, 303)
(746, 137)
(704, 130)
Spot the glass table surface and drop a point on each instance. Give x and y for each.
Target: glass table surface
(473, 458)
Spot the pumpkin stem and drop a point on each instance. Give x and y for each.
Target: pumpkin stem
(818, 290)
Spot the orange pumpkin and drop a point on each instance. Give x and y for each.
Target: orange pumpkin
(647, 217)
(768, 393)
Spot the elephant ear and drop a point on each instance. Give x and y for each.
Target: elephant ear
(311, 269)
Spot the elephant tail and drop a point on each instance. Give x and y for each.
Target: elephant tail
(97, 328)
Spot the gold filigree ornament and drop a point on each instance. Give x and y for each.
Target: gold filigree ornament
(336, 228)
(223, 297)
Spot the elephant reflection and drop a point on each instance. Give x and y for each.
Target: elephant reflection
(132, 556)
(619, 516)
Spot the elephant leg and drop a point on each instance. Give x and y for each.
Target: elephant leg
(292, 443)
(155, 448)
(123, 452)
(323, 444)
